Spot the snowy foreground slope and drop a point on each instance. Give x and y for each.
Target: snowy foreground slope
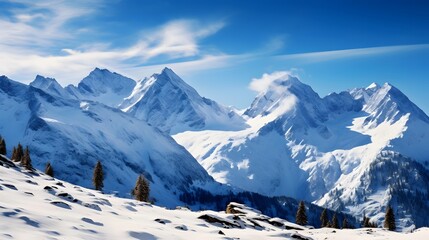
(36, 206)
(355, 151)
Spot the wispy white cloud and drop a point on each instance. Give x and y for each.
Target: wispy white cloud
(39, 26)
(266, 81)
(349, 53)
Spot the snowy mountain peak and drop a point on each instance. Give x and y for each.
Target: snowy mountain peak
(373, 86)
(103, 86)
(51, 86)
(168, 76)
(281, 95)
(388, 103)
(169, 103)
(101, 80)
(41, 81)
(11, 87)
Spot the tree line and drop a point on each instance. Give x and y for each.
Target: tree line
(301, 219)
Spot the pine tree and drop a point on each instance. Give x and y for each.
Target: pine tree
(141, 190)
(366, 222)
(19, 153)
(389, 219)
(26, 160)
(301, 216)
(335, 221)
(13, 154)
(345, 223)
(49, 170)
(98, 176)
(324, 218)
(2, 146)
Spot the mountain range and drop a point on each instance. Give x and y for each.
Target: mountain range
(354, 151)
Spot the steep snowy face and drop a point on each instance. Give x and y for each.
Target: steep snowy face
(51, 86)
(276, 98)
(363, 94)
(164, 100)
(389, 104)
(73, 135)
(103, 86)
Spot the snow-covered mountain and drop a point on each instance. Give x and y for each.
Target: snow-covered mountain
(74, 134)
(103, 86)
(51, 86)
(354, 151)
(36, 206)
(322, 149)
(164, 100)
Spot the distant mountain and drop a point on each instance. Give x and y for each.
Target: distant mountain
(320, 149)
(51, 86)
(74, 134)
(164, 100)
(103, 86)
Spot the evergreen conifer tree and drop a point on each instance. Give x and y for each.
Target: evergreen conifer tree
(335, 221)
(49, 170)
(26, 160)
(98, 176)
(366, 223)
(141, 189)
(345, 223)
(2, 146)
(324, 218)
(301, 216)
(389, 219)
(19, 153)
(13, 154)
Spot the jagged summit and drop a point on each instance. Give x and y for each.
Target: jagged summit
(373, 86)
(51, 86)
(103, 86)
(169, 103)
(102, 80)
(389, 103)
(282, 96)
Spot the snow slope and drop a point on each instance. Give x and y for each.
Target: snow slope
(74, 134)
(36, 206)
(164, 100)
(320, 149)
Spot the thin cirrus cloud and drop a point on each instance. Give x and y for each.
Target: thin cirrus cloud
(349, 53)
(31, 32)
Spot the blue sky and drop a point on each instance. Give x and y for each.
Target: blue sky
(218, 47)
